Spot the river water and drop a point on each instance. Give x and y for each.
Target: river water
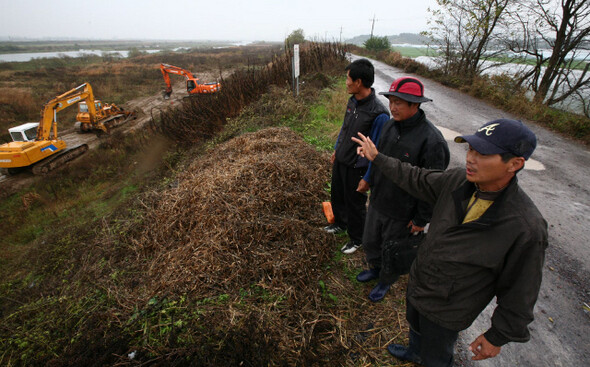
(23, 57)
(572, 104)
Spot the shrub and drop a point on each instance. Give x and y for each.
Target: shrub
(377, 43)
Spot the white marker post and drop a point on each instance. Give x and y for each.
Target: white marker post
(295, 70)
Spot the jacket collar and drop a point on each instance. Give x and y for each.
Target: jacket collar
(462, 195)
(364, 100)
(412, 122)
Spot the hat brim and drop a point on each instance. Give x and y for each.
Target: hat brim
(480, 145)
(407, 97)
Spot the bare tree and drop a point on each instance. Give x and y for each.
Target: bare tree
(465, 30)
(563, 27)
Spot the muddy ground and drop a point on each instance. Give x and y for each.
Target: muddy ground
(556, 178)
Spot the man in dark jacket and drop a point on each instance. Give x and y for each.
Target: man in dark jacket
(486, 238)
(364, 114)
(393, 213)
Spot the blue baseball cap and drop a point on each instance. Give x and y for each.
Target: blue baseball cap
(502, 136)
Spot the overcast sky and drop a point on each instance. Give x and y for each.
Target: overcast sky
(241, 20)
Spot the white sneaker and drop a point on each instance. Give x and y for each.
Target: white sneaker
(350, 247)
(334, 228)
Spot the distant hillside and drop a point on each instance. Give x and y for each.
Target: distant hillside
(410, 38)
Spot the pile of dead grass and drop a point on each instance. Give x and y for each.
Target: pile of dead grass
(247, 217)
(247, 212)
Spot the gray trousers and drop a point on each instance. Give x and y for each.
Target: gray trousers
(379, 229)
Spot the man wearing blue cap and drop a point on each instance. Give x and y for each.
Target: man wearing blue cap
(486, 239)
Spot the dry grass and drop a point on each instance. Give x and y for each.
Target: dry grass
(256, 195)
(17, 102)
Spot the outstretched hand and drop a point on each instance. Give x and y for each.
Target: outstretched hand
(483, 349)
(367, 148)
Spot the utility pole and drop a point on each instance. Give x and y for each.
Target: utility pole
(373, 26)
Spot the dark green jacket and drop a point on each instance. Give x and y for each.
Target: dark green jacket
(461, 267)
(418, 142)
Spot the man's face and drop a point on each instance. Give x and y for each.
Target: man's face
(400, 109)
(488, 170)
(352, 87)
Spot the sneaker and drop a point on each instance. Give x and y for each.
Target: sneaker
(334, 228)
(350, 247)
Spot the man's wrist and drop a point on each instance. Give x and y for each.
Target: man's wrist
(495, 338)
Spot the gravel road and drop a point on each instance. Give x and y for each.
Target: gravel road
(556, 179)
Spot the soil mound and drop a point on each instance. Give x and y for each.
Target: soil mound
(244, 222)
(249, 212)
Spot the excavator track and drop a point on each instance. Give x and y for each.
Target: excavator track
(109, 123)
(118, 120)
(52, 162)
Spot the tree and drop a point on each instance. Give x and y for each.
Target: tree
(464, 30)
(562, 26)
(296, 37)
(377, 44)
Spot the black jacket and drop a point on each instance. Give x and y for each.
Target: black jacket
(359, 117)
(418, 142)
(461, 267)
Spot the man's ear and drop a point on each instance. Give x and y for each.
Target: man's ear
(515, 164)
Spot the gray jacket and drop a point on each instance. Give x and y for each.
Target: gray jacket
(461, 267)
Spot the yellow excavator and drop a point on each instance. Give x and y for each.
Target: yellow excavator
(105, 116)
(36, 145)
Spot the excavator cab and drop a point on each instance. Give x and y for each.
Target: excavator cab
(24, 132)
(83, 107)
(190, 85)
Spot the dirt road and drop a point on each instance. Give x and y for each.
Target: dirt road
(556, 178)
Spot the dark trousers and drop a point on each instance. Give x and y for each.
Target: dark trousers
(348, 205)
(433, 343)
(379, 229)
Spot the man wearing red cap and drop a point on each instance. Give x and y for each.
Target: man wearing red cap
(364, 114)
(486, 239)
(393, 213)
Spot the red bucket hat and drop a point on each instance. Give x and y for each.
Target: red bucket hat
(408, 89)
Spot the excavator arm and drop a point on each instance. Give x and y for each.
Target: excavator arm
(167, 69)
(48, 123)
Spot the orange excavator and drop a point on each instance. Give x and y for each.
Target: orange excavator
(193, 84)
